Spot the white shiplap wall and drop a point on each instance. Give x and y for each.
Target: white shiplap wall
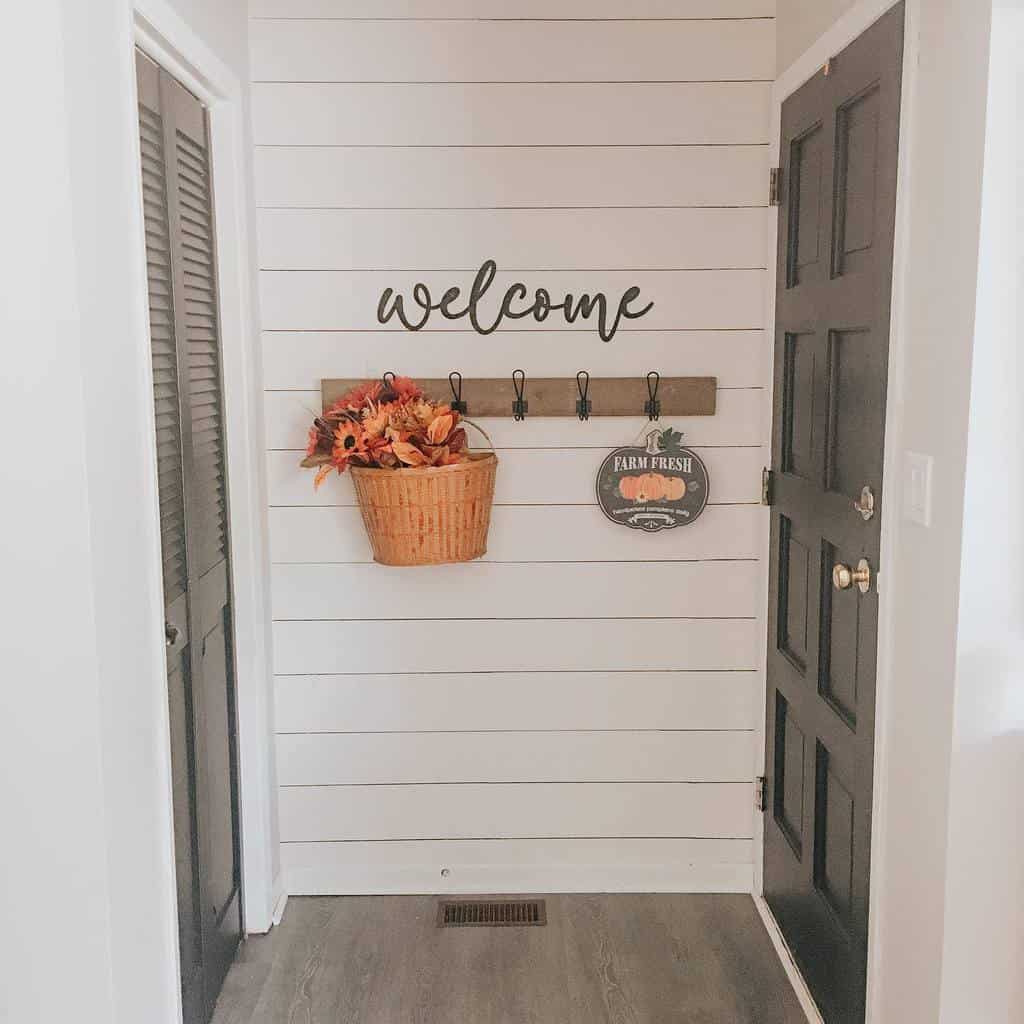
(578, 710)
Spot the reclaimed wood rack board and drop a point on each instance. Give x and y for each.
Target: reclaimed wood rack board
(557, 396)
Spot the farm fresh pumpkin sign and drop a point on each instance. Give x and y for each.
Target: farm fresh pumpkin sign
(657, 487)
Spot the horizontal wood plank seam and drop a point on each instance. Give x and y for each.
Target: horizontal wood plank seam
(517, 209)
(529, 618)
(324, 17)
(517, 270)
(517, 782)
(550, 561)
(458, 732)
(528, 839)
(508, 145)
(519, 672)
(513, 81)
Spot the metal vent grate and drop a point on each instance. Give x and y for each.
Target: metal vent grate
(491, 913)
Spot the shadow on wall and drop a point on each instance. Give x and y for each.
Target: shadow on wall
(987, 842)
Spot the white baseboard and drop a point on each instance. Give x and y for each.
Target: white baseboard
(517, 866)
(796, 979)
(279, 906)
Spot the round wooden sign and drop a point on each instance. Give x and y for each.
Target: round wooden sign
(657, 487)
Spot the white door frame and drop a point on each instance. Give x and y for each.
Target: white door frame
(161, 33)
(851, 25)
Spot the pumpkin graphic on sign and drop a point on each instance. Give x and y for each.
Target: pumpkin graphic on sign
(652, 487)
(657, 487)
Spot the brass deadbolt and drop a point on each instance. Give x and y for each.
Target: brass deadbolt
(843, 577)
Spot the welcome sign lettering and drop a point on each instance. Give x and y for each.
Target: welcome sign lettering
(516, 304)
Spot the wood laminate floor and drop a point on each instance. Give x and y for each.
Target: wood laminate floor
(622, 959)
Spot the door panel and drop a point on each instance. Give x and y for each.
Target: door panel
(836, 223)
(188, 397)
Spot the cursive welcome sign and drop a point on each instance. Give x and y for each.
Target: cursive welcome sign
(540, 307)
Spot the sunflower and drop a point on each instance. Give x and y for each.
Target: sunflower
(348, 441)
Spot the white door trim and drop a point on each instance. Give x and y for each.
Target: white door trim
(851, 25)
(161, 33)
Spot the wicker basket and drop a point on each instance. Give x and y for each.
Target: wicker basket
(427, 516)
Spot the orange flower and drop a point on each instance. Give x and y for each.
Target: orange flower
(348, 441)
(406, 388)
(357, 397)
(377, 419)
(312, 441)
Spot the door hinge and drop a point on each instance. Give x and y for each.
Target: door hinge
(767, 486)
(775, 186)
(759, 784)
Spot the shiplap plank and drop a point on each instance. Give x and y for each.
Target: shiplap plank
(556, 809)
(300, 360)
(511, 115)
(518, 866)
(564, 645)
(544, 476)
(347, 300)
(481, 589)
(502, 10)
(509, 176)
(291, 50)
(516, 700)
(445, 757)
(460, 240)
(532, 534)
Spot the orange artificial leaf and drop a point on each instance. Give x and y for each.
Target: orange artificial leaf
(409, 454)
(440, 428)
(321, 476)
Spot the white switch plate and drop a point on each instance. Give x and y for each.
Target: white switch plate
(917, 487)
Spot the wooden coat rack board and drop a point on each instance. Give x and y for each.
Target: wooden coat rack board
(557, 396)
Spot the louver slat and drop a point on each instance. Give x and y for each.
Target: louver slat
(202, 332)
(165, 377)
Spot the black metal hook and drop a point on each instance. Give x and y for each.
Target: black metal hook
(652, 406)
(583, 404)
(455, 382)
(520, 405)
(388, 380)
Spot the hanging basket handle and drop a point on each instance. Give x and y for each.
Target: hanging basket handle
(486, 436)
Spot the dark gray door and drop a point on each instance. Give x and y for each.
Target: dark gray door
(188, 397)
(839, 154)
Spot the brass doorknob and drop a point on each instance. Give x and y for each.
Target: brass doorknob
(843, 577)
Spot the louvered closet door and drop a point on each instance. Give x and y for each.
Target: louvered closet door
(188, 397)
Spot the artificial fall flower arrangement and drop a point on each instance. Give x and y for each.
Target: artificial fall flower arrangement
(385, 425)
(424, 497)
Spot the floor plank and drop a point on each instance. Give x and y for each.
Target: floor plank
(601, 959)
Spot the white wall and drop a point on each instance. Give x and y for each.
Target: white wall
(53, 855)
(920, 581)
(578, 710)
(801, 22)
(983, 950)
(89, 891)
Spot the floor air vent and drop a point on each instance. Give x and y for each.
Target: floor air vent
(491, 913)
